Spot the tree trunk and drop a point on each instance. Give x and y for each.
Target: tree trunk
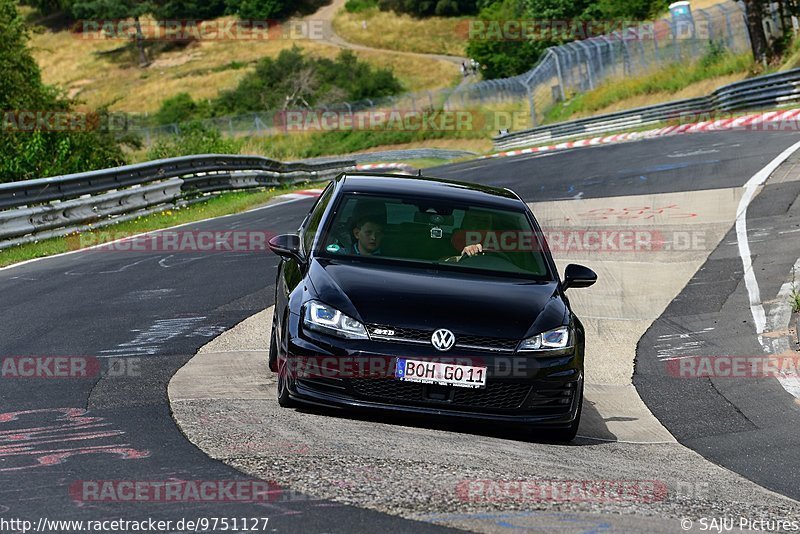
(755, 27)
(143, 61)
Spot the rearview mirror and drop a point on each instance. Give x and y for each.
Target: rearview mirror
(286, 246)
(578, 276)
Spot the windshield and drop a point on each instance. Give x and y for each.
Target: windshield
(433, 231)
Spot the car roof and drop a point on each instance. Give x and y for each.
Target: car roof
(403, 185)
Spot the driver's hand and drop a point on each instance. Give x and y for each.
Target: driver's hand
(471, 250)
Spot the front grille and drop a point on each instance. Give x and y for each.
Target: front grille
(498, 395)
(412, 335)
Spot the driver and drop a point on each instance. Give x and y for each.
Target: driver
(368, 235)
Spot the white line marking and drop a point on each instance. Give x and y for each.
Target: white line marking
(750, 188)
(780, 315)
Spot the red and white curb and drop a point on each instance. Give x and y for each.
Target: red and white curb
(769, 121)
(311, 193)
(305, 193)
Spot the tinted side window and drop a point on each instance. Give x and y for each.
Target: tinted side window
(312, 223)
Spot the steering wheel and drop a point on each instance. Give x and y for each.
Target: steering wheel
(497, 253)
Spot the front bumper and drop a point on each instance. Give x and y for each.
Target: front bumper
(519, 389)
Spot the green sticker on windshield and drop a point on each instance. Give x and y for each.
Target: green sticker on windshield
(333, 248)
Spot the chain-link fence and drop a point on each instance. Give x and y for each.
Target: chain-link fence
(562, 71)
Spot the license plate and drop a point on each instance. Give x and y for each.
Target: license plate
(443, 374)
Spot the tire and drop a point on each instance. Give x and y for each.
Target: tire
(284, 400)
(273, 350)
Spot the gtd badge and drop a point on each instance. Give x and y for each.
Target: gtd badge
(383, 332)
(443, 339)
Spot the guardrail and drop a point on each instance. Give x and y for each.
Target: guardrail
(761, 92)
(49, 207)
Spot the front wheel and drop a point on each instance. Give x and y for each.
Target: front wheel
(273, 350)
(284, 400)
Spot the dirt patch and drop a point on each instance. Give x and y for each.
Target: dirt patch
(76, 87)
(175, 61)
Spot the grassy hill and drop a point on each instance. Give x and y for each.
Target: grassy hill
(87, 68)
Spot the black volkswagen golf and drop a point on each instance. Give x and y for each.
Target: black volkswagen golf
(429, 297)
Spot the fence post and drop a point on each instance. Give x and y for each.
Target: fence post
(600, 67)
(641, 48)
(558, 73)
(728, 26)
(656, 51)
(612, 54)
(710, 23)
(588, 64)
(626, 54)
(673, 27)
(533, 107)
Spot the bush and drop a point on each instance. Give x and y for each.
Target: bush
(293, 80)
(195, 138)
(427, 8)
(356, 6)
(181, 108)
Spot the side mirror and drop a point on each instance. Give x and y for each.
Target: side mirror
(286, 246)
(578, 276)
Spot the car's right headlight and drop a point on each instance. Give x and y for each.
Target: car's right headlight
(328, 320)
(556, 339)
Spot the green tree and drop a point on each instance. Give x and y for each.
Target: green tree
(427, 8)
(115, 10)
(259, 9)
(34, 152)
(501, 58)
(189, 9)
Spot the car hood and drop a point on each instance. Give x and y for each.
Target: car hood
(429, 299)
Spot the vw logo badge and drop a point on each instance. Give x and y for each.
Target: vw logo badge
(443, 339)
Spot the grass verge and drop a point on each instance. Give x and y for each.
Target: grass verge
(659, 86)
(224, 204)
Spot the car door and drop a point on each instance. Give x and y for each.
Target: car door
(291, 272)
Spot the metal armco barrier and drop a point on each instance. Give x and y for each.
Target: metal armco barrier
(761, 92)
(47, 207)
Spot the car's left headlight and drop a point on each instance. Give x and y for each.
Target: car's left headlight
(328, 320)
(558, 338)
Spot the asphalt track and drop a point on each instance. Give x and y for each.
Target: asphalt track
(747, 424)
(160, 308)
